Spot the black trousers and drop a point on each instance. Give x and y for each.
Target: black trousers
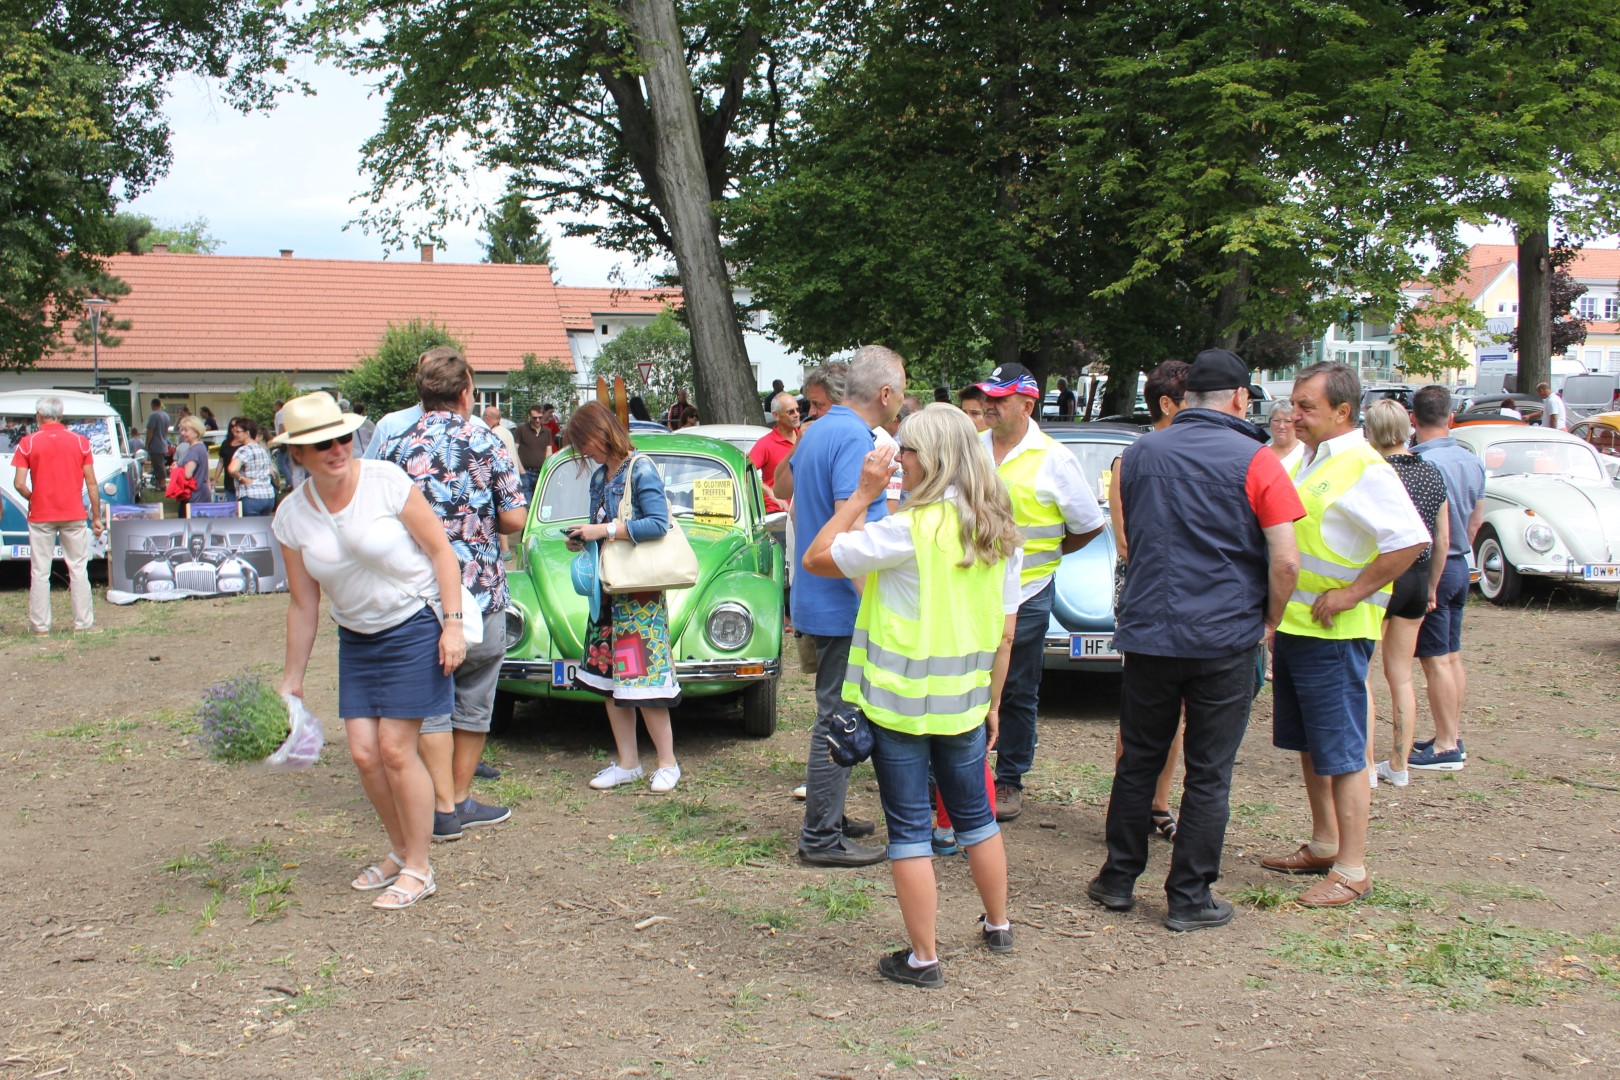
(1217, 694)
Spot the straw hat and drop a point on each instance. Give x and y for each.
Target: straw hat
(314, 418)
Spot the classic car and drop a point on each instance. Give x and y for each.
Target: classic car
(742, 436)
(1550, 509)
(1499, 409)
(1080, 636)
(725, 632)
(200, 561)
(1603, 433)
(118, 472)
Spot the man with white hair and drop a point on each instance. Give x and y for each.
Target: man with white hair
(54, 469)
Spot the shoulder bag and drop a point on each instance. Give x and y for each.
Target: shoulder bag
(651, 566)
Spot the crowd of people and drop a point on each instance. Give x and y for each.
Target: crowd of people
(1311, 544)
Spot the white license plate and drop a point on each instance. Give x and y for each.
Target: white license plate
(563, 672)
(1092, 647)
(1601, 572)
(24, 551)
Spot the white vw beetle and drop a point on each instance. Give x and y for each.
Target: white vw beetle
(1551, 509)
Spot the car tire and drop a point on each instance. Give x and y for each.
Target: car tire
(501, 713)
(759, 710)
(1500, 585)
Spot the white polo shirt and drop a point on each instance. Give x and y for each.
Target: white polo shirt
(1374, 517)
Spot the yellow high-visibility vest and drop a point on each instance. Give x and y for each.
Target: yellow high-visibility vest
(1040, 523)
(1320, 567)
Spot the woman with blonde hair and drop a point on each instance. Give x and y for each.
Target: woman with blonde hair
(1388, 430)
(929, 658)
(193, 461)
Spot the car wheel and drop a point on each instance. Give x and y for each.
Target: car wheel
(1499, 582)
(759, 710)
(501, 713)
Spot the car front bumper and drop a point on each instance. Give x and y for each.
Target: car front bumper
(1055, 657)
(686, 671)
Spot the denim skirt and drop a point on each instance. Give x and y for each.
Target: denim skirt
(394, 673)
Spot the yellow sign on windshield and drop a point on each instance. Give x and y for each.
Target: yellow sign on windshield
(713, 501)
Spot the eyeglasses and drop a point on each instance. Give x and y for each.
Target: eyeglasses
(326, 444)
(905, 450)
(790, 412)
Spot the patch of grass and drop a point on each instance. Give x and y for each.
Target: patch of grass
(774, 918)
(181, 723)
(186, 863)
(739, 850)
(1492, 891)
(255, 872)
(1083, 782)
(1106, 1045)
(1256, 982)
(840, 899)
(710, 833)
(268, 895)
(1263, 896)
(1253, 811)
(209, 913)
(1513, 770)
(1480, 797)
(507, 791)
(746, 999)
(1396, 897)
(92, 730)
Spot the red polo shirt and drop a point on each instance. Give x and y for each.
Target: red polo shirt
(772, 449)
(55, 459)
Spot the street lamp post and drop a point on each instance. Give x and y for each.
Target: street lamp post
(95, 304)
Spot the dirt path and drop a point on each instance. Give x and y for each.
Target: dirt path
(164, 916)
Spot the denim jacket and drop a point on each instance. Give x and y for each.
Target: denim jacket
(649, 509)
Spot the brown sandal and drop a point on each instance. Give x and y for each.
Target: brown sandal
(1335, 890)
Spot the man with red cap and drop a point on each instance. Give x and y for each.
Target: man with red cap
(1057, 513)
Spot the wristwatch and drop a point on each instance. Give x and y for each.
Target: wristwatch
(453, 615)
(613, 530)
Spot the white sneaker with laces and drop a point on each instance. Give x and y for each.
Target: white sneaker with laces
(665, 779)
(1384, 772)
(613, 776)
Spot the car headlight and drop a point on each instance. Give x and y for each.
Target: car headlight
(729, 626)
(110, 488)
(514, 625)
(1539, 537)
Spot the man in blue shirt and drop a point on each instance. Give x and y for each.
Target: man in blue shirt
(1439, 647)
(826, 472)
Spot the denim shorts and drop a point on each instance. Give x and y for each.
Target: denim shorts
(1319, 688)
(1442, 627)
(902, 761)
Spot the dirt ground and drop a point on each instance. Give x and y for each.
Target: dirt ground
(161, 915)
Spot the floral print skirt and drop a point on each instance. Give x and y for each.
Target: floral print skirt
(627, 655)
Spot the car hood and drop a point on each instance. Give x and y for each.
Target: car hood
(1584, 513)
(565, 611)
(1084, 598)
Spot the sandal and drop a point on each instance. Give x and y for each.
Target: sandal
(1164, 823)
(402, 898)
(372, 877)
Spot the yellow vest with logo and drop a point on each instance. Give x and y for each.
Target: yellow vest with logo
(1040, 523)
(1320, 567)
(929, 675)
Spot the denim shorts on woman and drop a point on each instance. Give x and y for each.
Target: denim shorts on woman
(1320, 691)
(902, 761)
(394, 673)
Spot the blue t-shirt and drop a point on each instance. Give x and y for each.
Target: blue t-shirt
(827, 468)
(1465, 484)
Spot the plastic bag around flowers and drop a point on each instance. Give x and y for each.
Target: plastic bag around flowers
(303, 746)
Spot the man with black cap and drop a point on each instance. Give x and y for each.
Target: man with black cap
(1057, 513)
(1210, 529)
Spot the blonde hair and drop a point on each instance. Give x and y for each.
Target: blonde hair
(949, 454)
(1387, 424)
(193, 425)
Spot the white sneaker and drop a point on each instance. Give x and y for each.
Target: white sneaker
(801, 792)
(1384, 772)
(613, 776)
(665, 779)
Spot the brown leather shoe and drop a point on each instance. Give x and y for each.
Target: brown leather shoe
(1300, 862)
(1009, 802)
(1335, 890)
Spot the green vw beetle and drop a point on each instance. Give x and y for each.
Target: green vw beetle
(725, 632)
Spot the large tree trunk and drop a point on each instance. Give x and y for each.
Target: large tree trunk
(1535, 306)
(723, 387)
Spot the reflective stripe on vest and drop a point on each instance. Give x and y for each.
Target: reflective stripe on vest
(1040, 523)
(1322, 569)
(929, 675)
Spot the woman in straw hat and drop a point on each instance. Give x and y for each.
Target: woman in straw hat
(363, 532)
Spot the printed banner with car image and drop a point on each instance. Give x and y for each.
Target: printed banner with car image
(173, 558)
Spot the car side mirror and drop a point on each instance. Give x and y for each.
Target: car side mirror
(777, 521)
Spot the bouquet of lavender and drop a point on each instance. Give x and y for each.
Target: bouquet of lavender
(243, 719)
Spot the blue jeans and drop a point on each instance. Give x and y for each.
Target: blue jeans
(258, 507)
(1320, 686)
(1015, 749)
(826, 784)
(530, 478)
(902, 761)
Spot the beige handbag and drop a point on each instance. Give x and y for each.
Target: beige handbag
(651, 566)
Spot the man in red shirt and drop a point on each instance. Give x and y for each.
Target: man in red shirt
(54, 466)
(776, 446)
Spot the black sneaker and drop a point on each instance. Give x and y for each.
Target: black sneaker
(1217, 913)
(897, 967)
(473, 813)
(996, 940)
(1111, 901)
(486, 771)
(446, 826)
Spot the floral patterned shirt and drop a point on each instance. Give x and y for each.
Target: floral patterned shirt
(468, 479)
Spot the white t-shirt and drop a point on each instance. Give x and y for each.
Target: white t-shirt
(886, 545)
(1554, 415)
(376, 577)
(1373, 518)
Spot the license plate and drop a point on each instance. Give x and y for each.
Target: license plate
(1092, 647)
(24, 551)
(1601, 572)
(563, 672)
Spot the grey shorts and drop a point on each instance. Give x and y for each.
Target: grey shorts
(475, 685)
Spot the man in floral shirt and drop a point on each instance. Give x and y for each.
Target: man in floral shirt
(476, 489)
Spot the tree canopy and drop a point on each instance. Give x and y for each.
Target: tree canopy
(666, 346)
(512, 233)
(386, 380)
(540, 382)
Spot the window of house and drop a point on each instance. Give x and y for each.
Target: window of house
(604, 330)
(1594, 359)
(1611, 307)
(1586, 307)
(1614, 360)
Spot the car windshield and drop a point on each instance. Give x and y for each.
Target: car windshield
(1096, 461)
(98, 429)
(694, 484)
(1542, 459)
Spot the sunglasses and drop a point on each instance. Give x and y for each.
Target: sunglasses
(904, 450)
(326, 444)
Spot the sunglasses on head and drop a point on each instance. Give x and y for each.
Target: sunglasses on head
(326, 444)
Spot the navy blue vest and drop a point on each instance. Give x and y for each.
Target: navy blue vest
(1197, 581)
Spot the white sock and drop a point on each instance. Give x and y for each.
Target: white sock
(1353, 874)
(988, 925)
(1321, 850)
(912, 961)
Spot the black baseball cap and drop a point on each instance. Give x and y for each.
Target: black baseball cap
(1217, 369)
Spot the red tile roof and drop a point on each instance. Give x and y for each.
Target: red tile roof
(1591, 264)
(580, 305)
(234, 313)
